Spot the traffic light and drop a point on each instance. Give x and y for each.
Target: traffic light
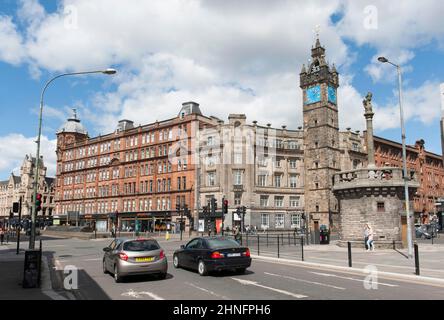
(213, 205)
(38, 202)
(244, 209)
(224, 206)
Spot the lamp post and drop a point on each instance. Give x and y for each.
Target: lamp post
(37, 159)
(404, 158)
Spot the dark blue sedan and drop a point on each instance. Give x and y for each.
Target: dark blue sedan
(206, 254)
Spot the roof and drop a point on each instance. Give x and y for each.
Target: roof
(49, 180)
(73, 125)
(17, 179)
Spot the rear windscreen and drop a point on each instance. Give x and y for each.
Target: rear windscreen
(222, 243)
(141, 245)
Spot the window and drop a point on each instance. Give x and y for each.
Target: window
(277, 163)
(262, 180)
(294, 201)
(293, 181)
(265, 220)
(278, 201)
(293, 163)
(381, 206)
(279, 220)
(296, 220)
(264, 201)
(277, 180)
(178, 183)
(210, 141)
(237, 177)
(237, 198)
(211, 179)
(355, 146)
(184, 179)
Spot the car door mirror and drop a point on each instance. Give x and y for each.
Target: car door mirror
(182, 247)
(107, 249)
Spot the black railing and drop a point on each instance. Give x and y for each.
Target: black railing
(285, 245)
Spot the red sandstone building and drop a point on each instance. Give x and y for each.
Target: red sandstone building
(136, 172)
(428, 167)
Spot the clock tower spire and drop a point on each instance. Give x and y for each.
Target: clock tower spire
(319, 83)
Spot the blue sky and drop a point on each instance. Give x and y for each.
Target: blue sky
(229, 57)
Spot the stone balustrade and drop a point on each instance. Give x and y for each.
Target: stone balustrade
(366, 177)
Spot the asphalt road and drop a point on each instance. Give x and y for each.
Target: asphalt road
(264, 280)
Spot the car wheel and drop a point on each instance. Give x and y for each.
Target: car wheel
(117, 276)
(176, 261)
(105, 271)
(202, 268)
(241, 270)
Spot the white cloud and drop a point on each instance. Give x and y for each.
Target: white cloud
(420, 104)
(393, 29)
(14, 147)
(11, 46)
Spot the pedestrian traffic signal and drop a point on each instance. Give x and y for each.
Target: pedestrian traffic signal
(38, 202)
(224, 206)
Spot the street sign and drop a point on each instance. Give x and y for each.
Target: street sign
(201, 225)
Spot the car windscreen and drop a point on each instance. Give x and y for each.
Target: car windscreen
(141, 245)
(222, 243)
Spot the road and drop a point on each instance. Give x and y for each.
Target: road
(265, 280)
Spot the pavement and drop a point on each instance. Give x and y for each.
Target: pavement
(324, 274)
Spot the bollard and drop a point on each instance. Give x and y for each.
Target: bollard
(349, 254)
(282, 237)
(258, 252)
(394, 245)
(416, 259)
(267, 239)
(294, 238)
(302, 247)
(247, 238)
(278, 244)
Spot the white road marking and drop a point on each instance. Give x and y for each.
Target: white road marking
(95, 259)
(352, 279)
(306, 281)
(207, 291)
(134, 294)
(253, 283)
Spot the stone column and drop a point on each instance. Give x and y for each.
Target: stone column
(369, 117)
(370, 145)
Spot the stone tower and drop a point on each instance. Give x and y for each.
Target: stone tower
(71, 131)
(319, 83)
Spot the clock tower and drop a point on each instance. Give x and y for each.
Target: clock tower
(319, 84)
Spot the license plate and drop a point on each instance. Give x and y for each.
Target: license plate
(233, 255)
(147, 259)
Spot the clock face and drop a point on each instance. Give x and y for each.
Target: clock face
(332, 94)
(313, 94)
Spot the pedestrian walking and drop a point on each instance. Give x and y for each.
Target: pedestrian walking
(236, 234)
(370, 241)
(366, 228)
(2, 236)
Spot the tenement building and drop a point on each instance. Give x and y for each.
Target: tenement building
(22, 186)
(257, 167)
(134, 173)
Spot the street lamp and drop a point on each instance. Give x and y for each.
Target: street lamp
(404, 158)
(108, 71)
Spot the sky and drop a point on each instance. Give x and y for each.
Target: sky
(228, 56)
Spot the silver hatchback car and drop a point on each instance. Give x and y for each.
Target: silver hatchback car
(125, 257)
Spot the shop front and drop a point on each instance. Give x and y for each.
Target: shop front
(144, 221)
